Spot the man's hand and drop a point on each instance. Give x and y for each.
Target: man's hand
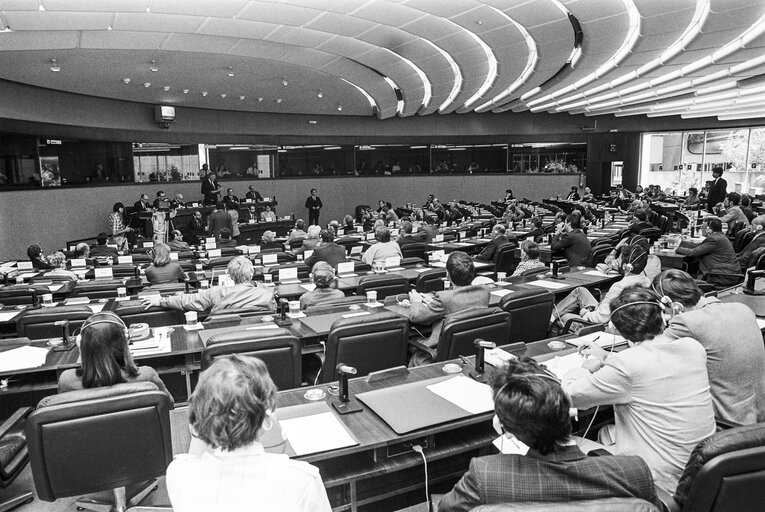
(592, 365)
(150, 300)
(592, 349)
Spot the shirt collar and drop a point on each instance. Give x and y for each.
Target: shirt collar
(562, 453)
(251, 449)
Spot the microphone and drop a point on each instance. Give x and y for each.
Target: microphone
(480, 345)
(344, 403)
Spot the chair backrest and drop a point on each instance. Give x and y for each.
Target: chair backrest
(430, 281)
(303, 270)
(133, 312)
(505, 258)
(530, 312)
(602, 505)
(600, 252)
(17, 296)
(460, 330)
(296, 242)
(329, 307)
(384, 285)
(735, 227)
(279, 349)
(652, 234)
(415, 250)
(106, 289)
(742, 239)
(37, 324)
(533, 271)
(368, 343)
(726, 472)
(99, 439)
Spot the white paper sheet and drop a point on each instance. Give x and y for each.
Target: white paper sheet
(77, 300)
(7, 316)
(510, 446)
(761, 323)
(302, 433)
(262, 327)
(603, 339)
(497, 356)
(594, 273)
(308, 287)
(96, 308)
(55, 287)
(361, 313)
(22, 357)
(561, 365)
(501, 293)
(465, 393)
(547, 284)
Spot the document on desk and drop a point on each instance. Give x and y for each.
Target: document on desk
(501, 293)
(561, 365)
(55, 287)
(595, 273)
(760, 322)
(313, 428)
(22, 357)
(77, 300)
(602, 338)
(7, 316)
(465, 393)
(547, 284)
(308, 286)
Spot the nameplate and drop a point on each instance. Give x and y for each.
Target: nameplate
(72, 248)
(124, 260)
(77, 262)
(213, 253)
(251, 221)
(393, 261)
(288, 274)
(102, 272)
(394, 232)
(266, 199)
(463, 234)
(439, 238)
(346, 268)
(195, 205)
(147, 245)
(210, 240)
(359, 229)
(356, 249)
(24, 265)
(173, 256)
(210, 245)
(254, 249)
(270, 258)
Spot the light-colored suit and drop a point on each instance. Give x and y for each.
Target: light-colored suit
(434, 308)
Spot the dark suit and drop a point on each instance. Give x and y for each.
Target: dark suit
(210, 190)
(196, 231)
(561, 476)
(744, 258)
(636, 228)
(577, 247)
(314, 205)
(717, 193)
(255, 196)
(534, 233)
(490, 252)
(330, 252)
(232, 202)
(218, 220)
(715, 254)
(411, 239)
(140, 206)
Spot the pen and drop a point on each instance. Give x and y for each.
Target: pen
(466, 360)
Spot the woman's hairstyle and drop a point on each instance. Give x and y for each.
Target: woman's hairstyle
(268, 236)
(323, 274)
(531, 249)
(382, 234)
(313, 231)
(531, 404)
(104, 351)
(34, 251)
(348, 220)
(240, 270)
(161, 255)
(678, 286)
(300, 225)
(637, 314)
(231, 401)
(57, 259)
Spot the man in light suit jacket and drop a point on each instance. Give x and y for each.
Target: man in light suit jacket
(327, 251)
(543, 463)
(732, 339)
(718, 189)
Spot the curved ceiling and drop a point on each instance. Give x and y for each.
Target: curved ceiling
(397, 57)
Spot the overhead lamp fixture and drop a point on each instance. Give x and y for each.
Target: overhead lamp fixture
(284, 81)
(260, 100)
(185, 91)
(320, 94)
(204, 93)
(147, 84)
(241, 98)
(153, 66)
(278, 100)
(223, 96)
(125, 80)
(312, 121)
(165, 88)
(54, 66)
(230, 71)
(339, 107)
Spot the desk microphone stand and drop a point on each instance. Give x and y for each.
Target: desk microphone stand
(282, 320)
(344, 404)
(479, 373)
(555, 267)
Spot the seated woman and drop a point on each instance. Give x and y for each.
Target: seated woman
(58, 261)
(323, 277)
(227, 468)
(529, 258)
(658, 387)
(267, 215)
(269, 241)
(35, 254)
(311, 240)
(106, 358)
(162, 270)
(298, 232)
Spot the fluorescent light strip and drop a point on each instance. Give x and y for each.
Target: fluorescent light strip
(531, 63)
(746, 114)
(369, 98)
(674, 90)
(400, 103)
(426, 85)
(713, 102)
(455, 71)
(491, 75)
(691, 31)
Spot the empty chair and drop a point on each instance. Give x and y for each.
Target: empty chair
(18, 296)
(430, 280)
(37, 324)
(652, 234)
(384, 285)
(369, 343)
(506, 261)
(102, 289)
(415, 250)
(530, 312)
(279, 349)
(100, 439)
(296, 243)
(13, 457)
(133, 312)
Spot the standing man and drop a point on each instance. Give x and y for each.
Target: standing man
(718, 189)
(210, 189)
(313, 203)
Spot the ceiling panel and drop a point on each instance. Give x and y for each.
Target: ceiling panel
(281, 14)
(37, 41)
(340, 25)
(100, 5)
(53, 21)
(121, 40)
(149, 22)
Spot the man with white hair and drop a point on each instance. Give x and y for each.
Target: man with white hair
(744, 258)
(243, 294)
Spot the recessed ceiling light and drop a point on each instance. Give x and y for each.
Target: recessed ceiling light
(185, 91)
(153, 66)
(147, 84)
(284, 81)
(241, 97)
(260, 100)
(339, 108)
(204, 93)
(278, 100)
(54, 66)
(312, 121)
(125, 80)
(166, 88)
(223, 95)
(230, 71)
(479, 22)
(320, 94)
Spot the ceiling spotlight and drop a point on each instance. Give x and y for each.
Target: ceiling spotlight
(312, 121)
(339, 108)
(222, 96)
(278, 100)
(185, 91)
(230, 71)
(241, 97)
(125, 80)
(260, 100)
(54, 66)
(479, 22)
(166, 88)
(284, 81)
(320, 94)
(153, 66)
(204, 93)
(147, 84)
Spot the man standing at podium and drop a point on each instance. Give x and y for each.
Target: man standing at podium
(313, 203)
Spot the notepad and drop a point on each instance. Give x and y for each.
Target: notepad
(347, 267)
(55, 287)
(603, 339)
(560, 365)
(501, 293)
(361, 313)
(22, 357)
(547, 284)
(465, 393)
(7, 316)
(594, 273)
(301, 431)
(392, 262)
(497, 356)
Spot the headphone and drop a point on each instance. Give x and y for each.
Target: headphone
(628, 267)
(113, 318)
(544, 374)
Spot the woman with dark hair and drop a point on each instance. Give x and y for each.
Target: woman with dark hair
(106, 358)
(658, 387)
(35, 254)
(227, 467)
(162, 269)
(119, 229)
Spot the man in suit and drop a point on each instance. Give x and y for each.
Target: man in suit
(313, 203)
(197, 229)
(540, 461)
(537, 231)
(732, 339)
(218, 220)
(327, 250)
(638, 224)
(142, 204)
(253, 194)
(430, 309)
(573, 242)
(715, 255)
(230, 200)
(210, 189)
(406, 237)
(717, 190)
(498, 238)
(744, 258)
(733, 211)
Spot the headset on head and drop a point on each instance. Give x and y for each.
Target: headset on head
(113, 318)
(628, 267)
(663, 302)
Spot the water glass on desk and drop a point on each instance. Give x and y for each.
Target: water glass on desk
(121, 292)
(501, 276)
(371, 297)
(47, 299)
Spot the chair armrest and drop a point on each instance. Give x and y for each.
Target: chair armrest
(15, 418)
(425, 348)
(725, 424)
(668, 502)
(599, 452)
(567, 327)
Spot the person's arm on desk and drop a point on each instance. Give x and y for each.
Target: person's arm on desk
(701, 249)
(467, 493)
(201, 301)
(425, 309)
(609, 384)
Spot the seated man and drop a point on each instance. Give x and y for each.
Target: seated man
(406, 237)
(81, 250)
(639, 223)
(230, 200)
(383, 249)
(531, 407)
(498, 238)
(298, 232)
(732, 339)
(327, 251)
(744, 258)
(253, 194)
(323, 278)
(529, 258)
(613, 261)
(225, 239)
(588, 197)
(176, 242)
(101, 249)
(36, 256)
(537, 232)
(267, 215)
(717, 260)
(244, 294)
(268, 241)
(430, 309)
(733, 211)
(573, 241)
(389, 214)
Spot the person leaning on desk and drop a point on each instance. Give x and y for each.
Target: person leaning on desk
(244, 293)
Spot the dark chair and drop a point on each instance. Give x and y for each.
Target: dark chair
(303, 270)
(414, 250)
(734, 228)
(296, 243)
(602, 505)
(37, 324)
(106, 289)
(133, 312)
(742, 239)
(530, 312)
(17, 296)
(534, 271)
(279, 349)
(600, 253)
(661, 223)
(505, 259)
(460, 330)
(100, 439)
(652, 234)
(725, 472)
(430, 281)
(369, 343)
(13, 456)
(384, 285)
